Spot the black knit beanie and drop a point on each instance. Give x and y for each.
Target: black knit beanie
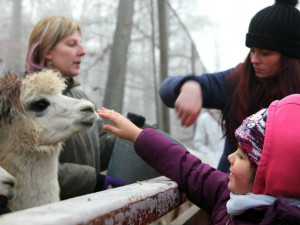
(276, 28)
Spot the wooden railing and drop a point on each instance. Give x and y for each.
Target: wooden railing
(139, 203)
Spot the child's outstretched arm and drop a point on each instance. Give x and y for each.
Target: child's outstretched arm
(198, 180)
(123, 127)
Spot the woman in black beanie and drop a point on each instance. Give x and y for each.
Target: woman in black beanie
(271, 71)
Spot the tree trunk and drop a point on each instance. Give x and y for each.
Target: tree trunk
(163, 119)
(113, 98)
(13, 60)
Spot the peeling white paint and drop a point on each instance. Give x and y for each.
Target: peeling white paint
(129, 203)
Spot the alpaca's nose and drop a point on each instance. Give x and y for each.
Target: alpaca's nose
(87, 106)
(89, 109)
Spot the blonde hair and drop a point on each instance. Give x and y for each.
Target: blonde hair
(44, 36)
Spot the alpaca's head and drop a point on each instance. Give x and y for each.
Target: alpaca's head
(35, 113)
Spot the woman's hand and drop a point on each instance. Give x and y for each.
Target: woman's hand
(123, 127)
(189, 103)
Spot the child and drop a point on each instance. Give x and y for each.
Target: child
(263, 186)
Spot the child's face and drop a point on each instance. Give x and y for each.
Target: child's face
(241, 175)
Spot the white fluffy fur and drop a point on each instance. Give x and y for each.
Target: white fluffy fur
(30, 141)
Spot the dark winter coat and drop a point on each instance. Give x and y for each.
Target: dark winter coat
(83, 154)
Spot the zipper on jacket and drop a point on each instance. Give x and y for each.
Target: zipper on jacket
(230, 220)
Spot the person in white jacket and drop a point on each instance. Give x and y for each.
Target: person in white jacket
(208, 138)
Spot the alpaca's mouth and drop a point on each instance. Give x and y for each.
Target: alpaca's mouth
(88, 120)
(48, 148)
(87, 123)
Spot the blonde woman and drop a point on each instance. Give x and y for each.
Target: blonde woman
(55, 43)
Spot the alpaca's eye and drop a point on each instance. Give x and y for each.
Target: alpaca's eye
(39, 105)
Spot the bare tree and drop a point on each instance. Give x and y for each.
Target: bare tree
(123, 40)
(13, 60)
(118, 59)
(163, 112)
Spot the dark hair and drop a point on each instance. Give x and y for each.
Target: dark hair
(248, 94)
(253, 169)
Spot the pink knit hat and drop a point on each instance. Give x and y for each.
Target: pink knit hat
(251, 135)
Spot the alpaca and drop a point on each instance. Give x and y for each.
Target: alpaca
(35, 119)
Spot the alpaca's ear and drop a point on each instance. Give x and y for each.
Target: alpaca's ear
(10, 86)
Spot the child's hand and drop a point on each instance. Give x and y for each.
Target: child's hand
(123, 128)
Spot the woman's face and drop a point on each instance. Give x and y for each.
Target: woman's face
(66, 55)
(241, 173)
(266, 63)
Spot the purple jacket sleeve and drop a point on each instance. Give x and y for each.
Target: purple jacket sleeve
(202, 184)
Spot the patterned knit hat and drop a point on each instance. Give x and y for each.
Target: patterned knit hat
(251, 135)
(276, 28)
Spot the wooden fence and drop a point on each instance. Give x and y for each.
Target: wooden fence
(139, 203)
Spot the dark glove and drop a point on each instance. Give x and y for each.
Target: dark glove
(7, 182)
(138, 120)
(3, 205)
(103, 182)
